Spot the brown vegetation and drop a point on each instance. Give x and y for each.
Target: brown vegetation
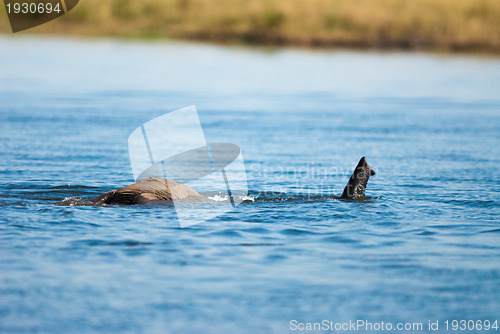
(464, 25)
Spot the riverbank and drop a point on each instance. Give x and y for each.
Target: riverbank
(437, 25)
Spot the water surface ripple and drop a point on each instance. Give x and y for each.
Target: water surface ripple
(424, 246)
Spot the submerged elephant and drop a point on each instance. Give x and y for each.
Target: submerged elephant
(355, 188)
(153, 190)
(156, 190)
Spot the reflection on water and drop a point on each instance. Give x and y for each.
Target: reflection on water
(423, 246)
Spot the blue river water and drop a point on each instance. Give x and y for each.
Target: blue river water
(424, 246)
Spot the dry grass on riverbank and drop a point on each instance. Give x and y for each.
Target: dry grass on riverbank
(463, 25)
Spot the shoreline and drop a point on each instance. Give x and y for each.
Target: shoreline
(442, 26)
(271, 44)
